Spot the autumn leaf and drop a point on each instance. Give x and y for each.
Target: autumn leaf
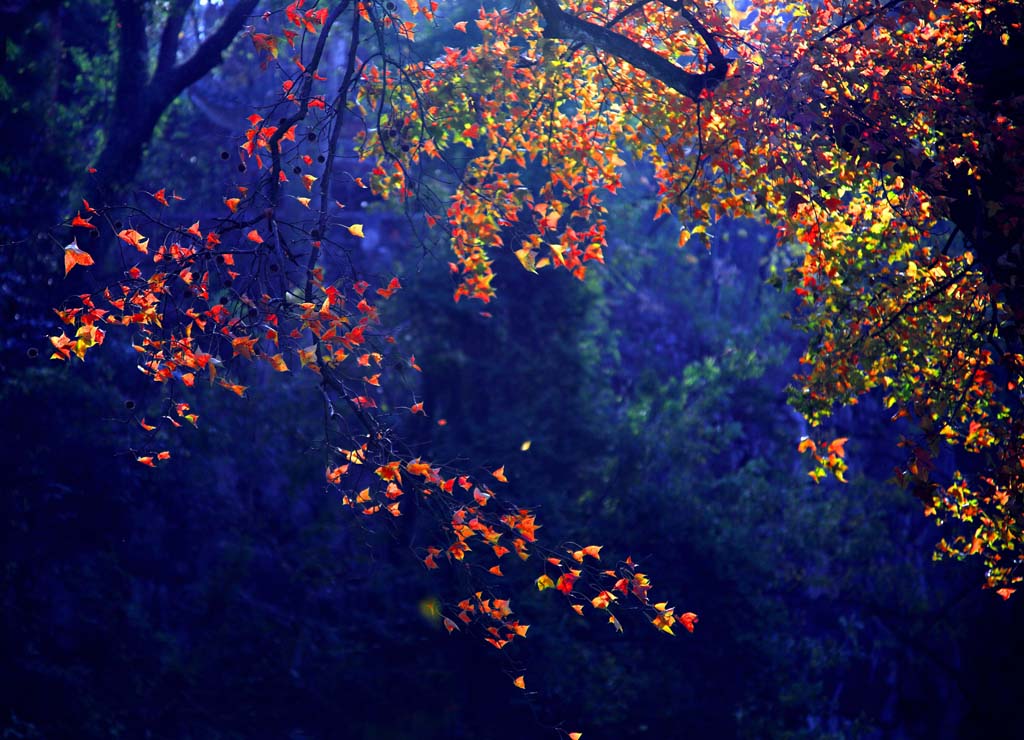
(806, 444)
(499, 474)
(238, 390)
(837, 446)
(393, 286)
(418, 468)
(82, 222)
(519, 682)
(277, 362)
(688, 620)
(356, 230)
(264, 43)
(566, 581)
(527, 258)
(74, 255)
(135, 239)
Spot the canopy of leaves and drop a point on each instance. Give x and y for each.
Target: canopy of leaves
(585, 386)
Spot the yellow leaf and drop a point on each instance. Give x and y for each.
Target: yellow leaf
(356, 230)
(527, 258)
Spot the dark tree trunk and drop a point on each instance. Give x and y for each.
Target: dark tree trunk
(141, 97)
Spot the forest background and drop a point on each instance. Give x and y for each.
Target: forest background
(230, 595)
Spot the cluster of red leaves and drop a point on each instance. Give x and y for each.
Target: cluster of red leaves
(209, 305)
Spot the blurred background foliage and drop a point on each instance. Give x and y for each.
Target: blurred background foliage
(227, 595)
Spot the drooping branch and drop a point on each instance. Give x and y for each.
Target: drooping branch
(303, 96)
(562, 25)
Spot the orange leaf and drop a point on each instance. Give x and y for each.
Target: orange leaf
(277, 362)
(392, 287)
(519, 682)
(84, 223)
(835, 447)
(499, 474)
(135, 239)
(254, 236)
(73, 255)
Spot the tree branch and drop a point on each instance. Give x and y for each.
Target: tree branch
(210, 53)
(562, 25)
(168, 53)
